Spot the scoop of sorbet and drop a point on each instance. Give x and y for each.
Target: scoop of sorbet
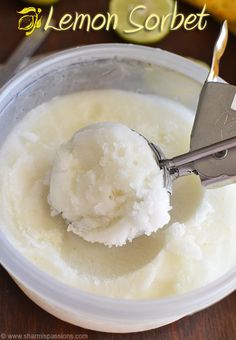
(107, 185)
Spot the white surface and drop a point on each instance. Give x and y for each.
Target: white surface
(191, 251)
(113, 189)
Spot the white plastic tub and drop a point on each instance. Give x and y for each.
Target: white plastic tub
(133, 68)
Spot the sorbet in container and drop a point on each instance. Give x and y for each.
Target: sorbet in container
(111, 68)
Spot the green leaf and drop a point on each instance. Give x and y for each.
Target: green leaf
(27, 10)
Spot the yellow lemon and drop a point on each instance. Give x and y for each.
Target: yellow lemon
(41, 2)
(222, 9)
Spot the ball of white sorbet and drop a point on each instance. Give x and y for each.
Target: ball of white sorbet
(107, 185)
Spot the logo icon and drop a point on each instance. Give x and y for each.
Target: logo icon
(30, 20)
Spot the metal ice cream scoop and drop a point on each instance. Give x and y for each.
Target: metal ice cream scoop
(212, 154)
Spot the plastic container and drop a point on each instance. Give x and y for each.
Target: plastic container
(133, 68)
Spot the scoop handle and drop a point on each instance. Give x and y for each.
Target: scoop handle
(219, 49)
(183, 165)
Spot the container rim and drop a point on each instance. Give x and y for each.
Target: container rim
(73, 299)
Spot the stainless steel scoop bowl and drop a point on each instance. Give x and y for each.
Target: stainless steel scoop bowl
(212, 153)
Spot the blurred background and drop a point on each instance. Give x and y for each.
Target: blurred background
(195, 44)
